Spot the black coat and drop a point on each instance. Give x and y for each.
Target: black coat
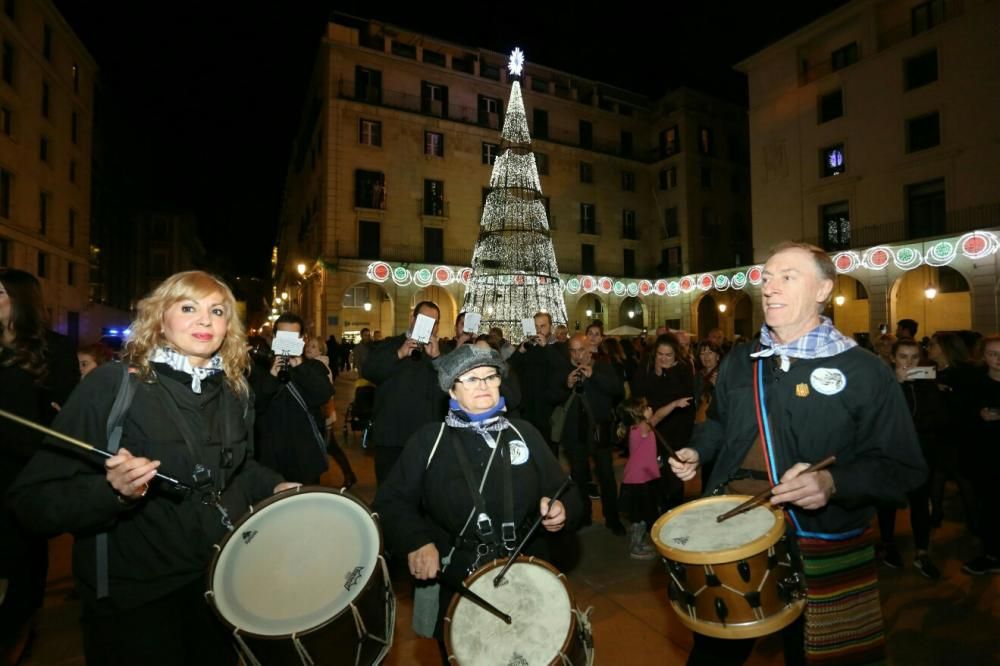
(164, 541)
(659, 390)
(286, 441)
(534, 372)
(864, 422)
(407, 394)
(421, 503)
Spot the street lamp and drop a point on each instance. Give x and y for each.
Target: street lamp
(839, 299)
(590, 313)
(284, 295)
(367, 306)
(301, 268)
(722, 307)
(930, 292)
(631, 314)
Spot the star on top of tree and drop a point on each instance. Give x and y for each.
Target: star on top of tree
(516, 63)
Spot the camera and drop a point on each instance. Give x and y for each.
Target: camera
(284, 376)
(580, 379)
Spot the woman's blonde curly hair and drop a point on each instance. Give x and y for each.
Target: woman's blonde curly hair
(147, 329)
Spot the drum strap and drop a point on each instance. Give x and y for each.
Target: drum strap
(483, 522)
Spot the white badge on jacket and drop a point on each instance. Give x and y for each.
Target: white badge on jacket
(828, 381)
(518, 452)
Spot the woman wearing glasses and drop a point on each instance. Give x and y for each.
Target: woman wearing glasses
(445, 505)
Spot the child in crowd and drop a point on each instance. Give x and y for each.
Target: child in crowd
(640, 493)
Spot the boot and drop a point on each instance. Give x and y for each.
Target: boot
(638, 549)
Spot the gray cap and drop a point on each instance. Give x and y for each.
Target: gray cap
(453, 365)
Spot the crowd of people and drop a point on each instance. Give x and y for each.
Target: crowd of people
(472, 439)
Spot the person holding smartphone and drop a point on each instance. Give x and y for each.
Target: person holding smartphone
(407, 395)
(927, 409)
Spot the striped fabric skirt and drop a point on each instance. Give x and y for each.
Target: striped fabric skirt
(843, 617)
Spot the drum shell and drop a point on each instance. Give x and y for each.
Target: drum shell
(731, 577)
(335, 640)
(573, 646)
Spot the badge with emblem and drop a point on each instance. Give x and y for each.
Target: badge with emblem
(828, 381)
(802, 390)
(518, 452)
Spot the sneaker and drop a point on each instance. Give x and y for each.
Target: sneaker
(592, 491)
(642, 551)
(926, 568)
(983, 564)
(891, 557)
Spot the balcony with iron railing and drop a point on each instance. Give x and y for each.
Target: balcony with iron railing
(468, 115)
(433, 208)
(954, 222)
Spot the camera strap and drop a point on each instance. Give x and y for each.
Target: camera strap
(297, 395)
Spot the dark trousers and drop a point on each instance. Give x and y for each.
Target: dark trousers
(709, 651)
(580, 449)
(177, 629)
(385, 460)
(920, 518)
(945, 465)
(24, 562)
(338, 455)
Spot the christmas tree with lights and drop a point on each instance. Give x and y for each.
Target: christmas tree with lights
(514, 272)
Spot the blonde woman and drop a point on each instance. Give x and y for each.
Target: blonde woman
(142, 584)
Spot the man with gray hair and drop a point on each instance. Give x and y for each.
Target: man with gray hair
(802, 393)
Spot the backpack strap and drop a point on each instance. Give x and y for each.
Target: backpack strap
(123, 399)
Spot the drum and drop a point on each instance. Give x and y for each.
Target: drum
(734, 579)
(547, 628)
(301, 579)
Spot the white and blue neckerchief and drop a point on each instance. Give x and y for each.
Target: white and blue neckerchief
(821, 342)
(180, 362)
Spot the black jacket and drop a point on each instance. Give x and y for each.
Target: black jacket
(534, 372)
(865, 424)
(659, 390)
(603, 390)
(421, 503)
(165, 540)
(285, 439)
(407, 394)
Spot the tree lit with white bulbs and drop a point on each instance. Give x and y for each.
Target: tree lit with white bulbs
(514, 272)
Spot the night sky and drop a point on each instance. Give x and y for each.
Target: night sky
(201, 99)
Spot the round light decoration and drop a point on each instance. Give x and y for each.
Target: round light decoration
(444, 275)
(721, 282)
(979, 244)
(906, 258)
(573, 285)
(422, 277)
(876, 258)
(940, 254)
(589, 284)
(379, 271)
(660, 287)
(755, 275)
(739, 280)
(605, 284)
(620, 288)
(401, 276)
(645, 287)
(466, 275)
(705, 281)
(673, 288)
(845, 262)
(632, 289)
(687, 284)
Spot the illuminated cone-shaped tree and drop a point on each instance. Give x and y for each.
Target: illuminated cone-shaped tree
(514, 273)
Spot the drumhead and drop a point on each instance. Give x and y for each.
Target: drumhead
(693, 527)
(295, 563)
(539, 605)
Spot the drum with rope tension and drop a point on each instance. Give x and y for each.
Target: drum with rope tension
(734, 579)
(547, 628)
(302, 580)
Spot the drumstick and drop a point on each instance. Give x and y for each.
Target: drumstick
(179, 485)
(538, 521)
(750, 503)
(463, 591)
(670, 450)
